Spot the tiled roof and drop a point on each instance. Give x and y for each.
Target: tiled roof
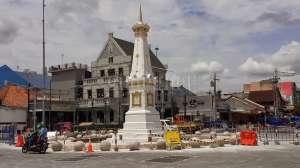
(262, 96)
(14, 96)
(181, 91)
(128, 47)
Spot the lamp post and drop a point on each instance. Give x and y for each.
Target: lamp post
(161, 88)
(92, 112)
(28, 104)
(185, 103)
(156, 51)
(50, 105)
(44, 65)
(119, 102)
(34, 111)
(105, 111)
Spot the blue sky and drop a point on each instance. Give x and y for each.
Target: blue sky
(241, 40)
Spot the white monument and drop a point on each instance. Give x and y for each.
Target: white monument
(142, 115)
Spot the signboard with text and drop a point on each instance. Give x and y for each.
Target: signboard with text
(172, 138)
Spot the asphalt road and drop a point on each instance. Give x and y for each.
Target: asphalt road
(281, 157)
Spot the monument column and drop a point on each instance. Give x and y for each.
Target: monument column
(142, 115)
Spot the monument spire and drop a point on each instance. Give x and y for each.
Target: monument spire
(141, 14)
(141, 64)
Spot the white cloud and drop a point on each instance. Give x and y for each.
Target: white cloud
(207, 67)
(287, 58)
(248, 10)
(253, 67)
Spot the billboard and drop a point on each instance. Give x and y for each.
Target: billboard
(287, 91)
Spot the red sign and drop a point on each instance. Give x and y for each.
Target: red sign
(248, 138)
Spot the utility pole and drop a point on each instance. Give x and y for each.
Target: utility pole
(185, 103)
(213, 84)
(50, 105)
(44, 62)
(275, 83)
(276, 77)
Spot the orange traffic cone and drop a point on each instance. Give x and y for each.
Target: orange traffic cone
(90, 147)
(20, 142)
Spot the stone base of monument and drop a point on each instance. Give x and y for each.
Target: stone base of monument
(141, 126)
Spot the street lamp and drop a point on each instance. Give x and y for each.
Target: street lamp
(119, 102)
(92, 113)
(28, 104)
(105, 110)
(156, 51)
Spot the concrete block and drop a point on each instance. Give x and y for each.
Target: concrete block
(105, 146)
(56, 146)
(134, 146)
(195, 144)
(77, 146)
(161, 145)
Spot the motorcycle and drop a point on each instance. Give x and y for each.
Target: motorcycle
(40, 146)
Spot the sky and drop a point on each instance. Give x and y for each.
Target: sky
(240, 40)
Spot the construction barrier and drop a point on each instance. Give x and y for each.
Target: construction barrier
(248, 138)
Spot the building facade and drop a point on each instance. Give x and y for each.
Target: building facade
(106, 94)
(264, 85)
(67, 80)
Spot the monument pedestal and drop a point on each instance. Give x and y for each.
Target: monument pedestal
(140, 125)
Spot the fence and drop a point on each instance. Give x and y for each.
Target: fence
(284, 134)
(7, 134)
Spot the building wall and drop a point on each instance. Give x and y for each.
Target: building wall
(257, 86)
(66, 80)
(13, 115)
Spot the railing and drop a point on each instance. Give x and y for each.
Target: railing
(279, 134)
(106, 79)
(95, 102)
(67, 67)
(7, 134)
(102, 101)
